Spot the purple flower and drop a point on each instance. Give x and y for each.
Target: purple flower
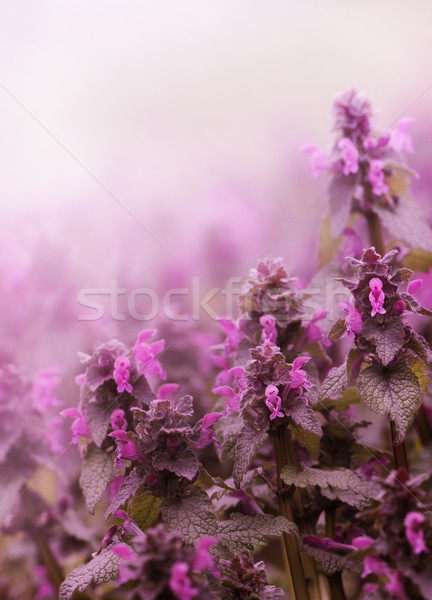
(415, 286)
(145, 354)
(203, 559)
(400, 139)
(179, 583)
(376, 296)
(376, 177)
(126, 449)
(414, 532)
(79, 426)
(352, 112)
(207, 435)
(121, 374)
(374, 565)
(395, 585)
(43, 390)
(118, 422)
(269, 333)
(349, 155)
(298, 375)
(319, 160)
(353, 318)
(273, 402)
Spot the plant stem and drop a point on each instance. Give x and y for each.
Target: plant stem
(303, 569)
(376, 240)
(337, 591)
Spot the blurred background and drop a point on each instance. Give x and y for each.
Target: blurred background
(150, 143)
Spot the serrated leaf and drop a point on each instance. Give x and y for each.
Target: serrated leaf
(191, 517)
(346, 399)
(388, 338)
(310, 441)
(341, 191)
(101, 569)
(243, 532)
(98, 417)
(304, 416)
(337, 330)
(331, 562)
(143, 508)
(419, 345)
(335, 383)
(248, 441)
(406, 222)
(183, 466)
(421, 371)
(393, 392)
(96, 471)
(227, 430)
(341, 483)
(127, 489)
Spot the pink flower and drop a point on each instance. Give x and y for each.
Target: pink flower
(79, 426)
(353, 320)
(145, 354)
(401, 141)
(376, 177)
(207, 435)
(298, 375)
(273, 402)
(319, 160)
(43, 390)
(121, 374)
(126, 449)
(414, 532)
(362, 541)
(118, 422)
(374, 565)
(349, 155)
(395, 585)
(269, 333)
(203, 559)
(376, 296)
(180, 584)
(415, 286)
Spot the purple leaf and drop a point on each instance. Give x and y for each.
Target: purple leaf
(388, 338)
(96, 471)
(393, 392)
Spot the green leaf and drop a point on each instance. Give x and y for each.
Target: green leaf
(348, 397)
(337, 330)
(335, 383)
(419, 260)
(310, 441)
(393, 392)
(388, 338)
(243, 532)
(102, 568)
(419, 346)
(96, 471)
(191, 517)
(343, 484)
(143, 508)
(421, 371)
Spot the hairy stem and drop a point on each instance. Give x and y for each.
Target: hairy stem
(376, 240)
(303, 569)
(337, 591)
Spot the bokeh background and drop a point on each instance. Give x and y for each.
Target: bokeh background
(148, 143)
